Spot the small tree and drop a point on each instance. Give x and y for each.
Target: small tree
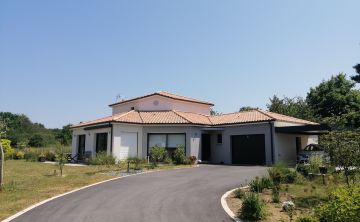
(2, 155)
(60, 154)
(344, 149)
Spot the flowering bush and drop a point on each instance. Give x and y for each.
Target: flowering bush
(289, 208)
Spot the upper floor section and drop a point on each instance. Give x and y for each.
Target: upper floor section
(162, 101)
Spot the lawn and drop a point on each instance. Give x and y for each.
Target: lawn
(27, 183)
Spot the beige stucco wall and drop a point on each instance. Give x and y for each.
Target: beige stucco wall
(147, 104)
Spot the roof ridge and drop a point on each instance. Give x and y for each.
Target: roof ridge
(224, 114)
(119, 115)
(190, 112)
(142, 120)
(264, 113)
(167, 95)
(206, 116)
(181, 116)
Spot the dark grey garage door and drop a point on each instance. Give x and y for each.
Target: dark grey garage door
(248, 149)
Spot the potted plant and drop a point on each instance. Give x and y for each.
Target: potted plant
(193, 160)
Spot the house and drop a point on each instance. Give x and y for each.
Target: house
(255, 137)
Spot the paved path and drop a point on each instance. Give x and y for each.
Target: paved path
(167, 196)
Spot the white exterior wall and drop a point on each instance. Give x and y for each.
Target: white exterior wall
(127, 141)
(285, 146)
(147, 104)
(90, 139)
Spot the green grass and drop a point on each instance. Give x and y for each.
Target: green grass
(309, 193)
(27, 183)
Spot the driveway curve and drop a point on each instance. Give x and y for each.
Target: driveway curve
(175, 195)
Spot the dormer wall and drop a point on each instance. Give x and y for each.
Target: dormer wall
(161, 103)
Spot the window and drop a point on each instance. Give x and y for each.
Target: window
(219, 138)
(175, 140)
(168, 140)
(157, 140)
(101, 142)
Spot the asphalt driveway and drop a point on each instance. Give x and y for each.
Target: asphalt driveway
(175, 195)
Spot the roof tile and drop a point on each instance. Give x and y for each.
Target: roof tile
(179, 117)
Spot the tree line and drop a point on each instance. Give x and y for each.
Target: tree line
(22, 132)
(335, 102)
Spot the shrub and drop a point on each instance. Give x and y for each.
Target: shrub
(50, 155)
(275, 195)
(157, 154)
(168, 160)
(42, 157)
(290, 177)
(31, 155)
(344, 205)
(252, 208)
(307, 219)
(8, 150)
(18, 155)
(315, 162)
(102, 158)
(258, 185)
(179, 156)
(136, 161)
(266, 182)
(239, 193)
(303, 169)
(289, 208)
(280, 173)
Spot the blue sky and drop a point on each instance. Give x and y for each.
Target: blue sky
(65, 61)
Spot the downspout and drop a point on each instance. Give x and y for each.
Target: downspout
(111, 139)
(272, 141)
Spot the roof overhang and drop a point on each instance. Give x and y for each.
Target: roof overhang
(99, 126)
(304, 129)
(212, 129)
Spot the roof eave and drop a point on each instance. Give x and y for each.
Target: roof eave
(158, 94)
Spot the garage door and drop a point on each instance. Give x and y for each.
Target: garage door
(248, 149)
(128, 145)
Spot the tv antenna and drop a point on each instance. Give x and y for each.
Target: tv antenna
(119, 98)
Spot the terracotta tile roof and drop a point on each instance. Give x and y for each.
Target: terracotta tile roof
(195, 118)
(240, 117)
(169, 117)
(285, 118)
(167, 95)
(179, 117)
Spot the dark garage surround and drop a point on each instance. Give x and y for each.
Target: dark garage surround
(248, 149)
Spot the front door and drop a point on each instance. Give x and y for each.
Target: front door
(101, 142)
(81, 146)
(205, 147)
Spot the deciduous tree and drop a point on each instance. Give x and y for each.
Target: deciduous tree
(356, 77)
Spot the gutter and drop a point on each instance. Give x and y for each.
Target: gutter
(271, 123)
